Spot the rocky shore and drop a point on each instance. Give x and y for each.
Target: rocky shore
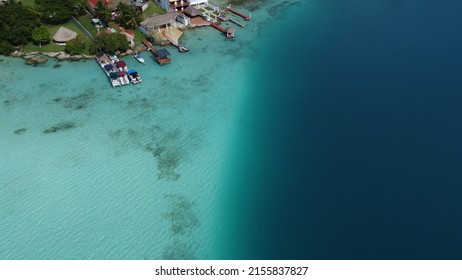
(42, 57)
(34, 58)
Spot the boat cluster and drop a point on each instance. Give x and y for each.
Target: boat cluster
(116, 70)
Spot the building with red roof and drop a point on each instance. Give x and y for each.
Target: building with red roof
(92, 4)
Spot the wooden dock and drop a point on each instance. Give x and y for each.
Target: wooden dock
(218, 27)
(236, 22)
(245, 17)
(229, 33)
(226, 18)
(162, 60)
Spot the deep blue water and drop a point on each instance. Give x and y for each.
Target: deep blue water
(354, 136)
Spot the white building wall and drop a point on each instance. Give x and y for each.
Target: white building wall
(198, 2)
(165, 4)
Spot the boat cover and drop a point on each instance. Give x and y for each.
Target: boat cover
(162, 53)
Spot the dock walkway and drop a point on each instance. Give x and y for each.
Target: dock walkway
(245, 17)
(228, 32)
(218, 27)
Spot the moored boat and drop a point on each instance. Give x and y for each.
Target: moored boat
(139, 58)
(134, 76)
(108, 68)
(116, 70)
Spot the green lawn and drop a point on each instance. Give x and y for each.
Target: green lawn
(88, 24)
(153, 9)
(52, 47)
(139, 36)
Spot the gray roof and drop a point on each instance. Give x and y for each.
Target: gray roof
(230, 29)
(159, 20)
(63, 35)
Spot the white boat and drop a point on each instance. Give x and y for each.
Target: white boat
(139, 58)
(134, 76)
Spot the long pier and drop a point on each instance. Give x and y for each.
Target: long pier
(224, 17)
(218, 27)
(245, 17)
(162, 60)
(229, 34)
(236, 22)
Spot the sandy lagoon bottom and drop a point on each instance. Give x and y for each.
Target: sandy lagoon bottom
(94, 172)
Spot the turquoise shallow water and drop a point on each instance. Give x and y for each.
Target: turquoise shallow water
(134, 172)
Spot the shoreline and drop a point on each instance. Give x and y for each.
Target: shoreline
(38, 57)
(42, 57)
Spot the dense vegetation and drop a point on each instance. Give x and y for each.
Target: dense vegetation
(128, 16)
(103, 12)
(41, 35)
(109, 42)
(21, 25)
(6, 48)
(59, 11)
(75, 46)
(17, 22)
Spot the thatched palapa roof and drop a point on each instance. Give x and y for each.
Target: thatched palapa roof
(191, 11)
(63, 35)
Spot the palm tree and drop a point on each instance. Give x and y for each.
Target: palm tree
(132, 18)
(122, 7)
(102, 12)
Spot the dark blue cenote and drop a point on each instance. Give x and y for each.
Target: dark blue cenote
(354, 136)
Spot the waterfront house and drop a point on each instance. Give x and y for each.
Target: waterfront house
(156, 22)
(194, 17)
(174, 5)
(179, 5)
(141, 5)
(198, 2)
(191, 12)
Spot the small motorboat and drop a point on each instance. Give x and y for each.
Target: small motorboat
(139, 58)
(182, 49)
(134, 76)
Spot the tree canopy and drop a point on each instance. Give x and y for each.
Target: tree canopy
(41, 35)
(59, 11)
(103, 12)
(54, 11)
(17, 22)
(75, 46)
(109, 42)
(130, 17)
(6, 48)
